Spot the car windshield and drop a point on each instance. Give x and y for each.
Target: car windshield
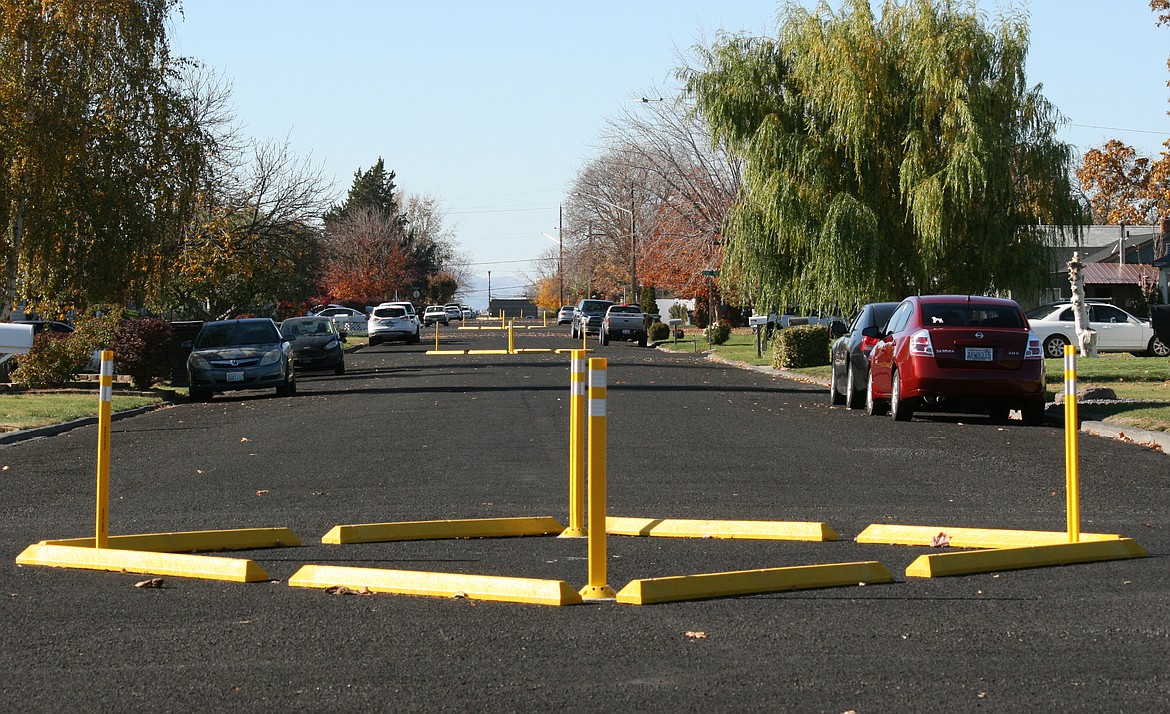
(970, 315)
(594, 306)
(306, 328)
(1039, 313)
(224, 334)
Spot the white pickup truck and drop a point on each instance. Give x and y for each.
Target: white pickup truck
(623, 322)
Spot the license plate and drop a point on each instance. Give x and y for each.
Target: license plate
(979, 354)
(235, 376)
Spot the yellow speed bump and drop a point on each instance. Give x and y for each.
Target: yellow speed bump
(567, 350)
(882, 534)
(206, 567)
(488, 352)
(749, 582)
(193, 541)
(755, 530)
(446, 352)
(533, 350)
(411, 582)
(1036, 556)
(438, 530)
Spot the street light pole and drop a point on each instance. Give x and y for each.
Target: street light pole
(561, 254)
(489, 305)
(633, 250)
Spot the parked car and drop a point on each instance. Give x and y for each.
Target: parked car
(850, 354)
(343, 317)
(468, 313)
(623, 322)
(391, 322)
(587, 317)
(250, 353)
(410, 310)
(435, 313)
(316, 343)
(454, 311)
(956, 352)
(1117, 330)
(565, 315)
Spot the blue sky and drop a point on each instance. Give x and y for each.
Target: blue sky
(492, 107)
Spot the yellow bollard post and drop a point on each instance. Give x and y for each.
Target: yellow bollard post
(1071, 426)
(436, 335)
(511, 340)
(546, 318)
(105, 407)
(576, 527)
(501, 319)
(597, 589)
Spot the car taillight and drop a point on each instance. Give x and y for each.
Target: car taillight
(1034, 351)
(920, 344)
(867, 343)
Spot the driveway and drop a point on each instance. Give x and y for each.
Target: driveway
(405, 436)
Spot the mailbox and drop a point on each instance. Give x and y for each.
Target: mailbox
(15, 340)
(757, 320)
(674, 321)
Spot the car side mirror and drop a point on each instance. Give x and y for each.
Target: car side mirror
(187, 344)
(836, 328)
(341, 337)
(872, 331)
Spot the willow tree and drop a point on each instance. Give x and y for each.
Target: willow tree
(100, 153)
(885, 155)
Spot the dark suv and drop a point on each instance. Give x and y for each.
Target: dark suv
(588, 316)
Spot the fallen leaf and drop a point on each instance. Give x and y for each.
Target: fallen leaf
(152, 583)
(697, 635)
(942, 540)
(262, 492)
(343, 590)
(460, 596)
(244, 439)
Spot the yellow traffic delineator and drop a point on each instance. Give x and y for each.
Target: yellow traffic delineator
(747, 530)
(439, 530)
(749, 582)
(452, 585)
(1008, 549)
(487, 352)
(438, 351)
(597, 588)
(576, 527)
(151, 553)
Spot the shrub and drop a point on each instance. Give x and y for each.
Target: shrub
(679, 312)
(658, 332)
(97, 329)
(54, 361)
(142, 350)
(802, 346)
(719, 332)
(648, 300)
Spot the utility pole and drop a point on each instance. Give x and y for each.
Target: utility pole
(561, 256)
(633, 251)
(489, 305)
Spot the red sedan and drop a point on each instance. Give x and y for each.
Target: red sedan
(956, 353)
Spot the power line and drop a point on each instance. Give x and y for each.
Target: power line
(1114, 128)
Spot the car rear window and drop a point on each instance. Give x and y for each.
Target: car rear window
(971, 315)
(595, 306)
(628, 309)
(390, 311)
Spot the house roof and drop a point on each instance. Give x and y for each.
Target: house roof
(1118, 273)
(1096, 237)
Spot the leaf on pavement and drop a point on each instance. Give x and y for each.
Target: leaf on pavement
(152, 583)
(942, 540)
(343, 590)
(694, 635)
(262, 492)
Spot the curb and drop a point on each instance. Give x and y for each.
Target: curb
(1156, 440)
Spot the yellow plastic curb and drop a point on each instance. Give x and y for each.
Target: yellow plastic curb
(748, 582)
(1036, 556)
(206, 567)
(756, 530)
(566, 350)
(488, 352)
(193, 541)
(534, 350)
(446, 352)
(436, 530)
(882, 534)
(411, 582)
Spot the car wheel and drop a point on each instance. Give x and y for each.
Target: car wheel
(835, 396)
(199, 395)
(1054, 346)
(642, 341)
(873, 406)
(1032, 414)
(340, 369)
(602, 338)
(854, 399)
(573, 332)
(899, 409)
(374, 340)
(1158, 348)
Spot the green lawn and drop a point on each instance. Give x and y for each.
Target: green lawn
(27, 411)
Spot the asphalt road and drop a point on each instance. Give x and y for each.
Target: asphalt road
(404, 436)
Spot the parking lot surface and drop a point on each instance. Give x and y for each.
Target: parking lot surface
(406, 436)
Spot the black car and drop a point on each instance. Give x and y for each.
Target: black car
(316, 343)
(240, 354)
(850, 354)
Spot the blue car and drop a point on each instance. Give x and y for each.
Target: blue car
(250, 353)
